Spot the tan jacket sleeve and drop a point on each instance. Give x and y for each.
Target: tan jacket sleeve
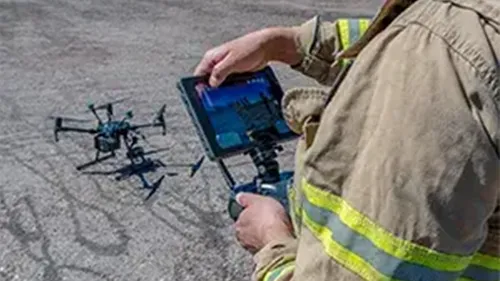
(402, 176)
(276, 261)
(318, 42)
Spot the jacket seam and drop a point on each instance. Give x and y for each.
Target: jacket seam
(484, 75)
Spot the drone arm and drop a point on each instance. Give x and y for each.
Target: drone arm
(159, 121)
(150, 125)
(79, 130)
(154, 124)
(93, 110)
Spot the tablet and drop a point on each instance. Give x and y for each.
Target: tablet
(224, 115)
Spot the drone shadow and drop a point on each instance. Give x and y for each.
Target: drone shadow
(136, 169)
(145, 166)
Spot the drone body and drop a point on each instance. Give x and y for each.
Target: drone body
(109, 136)
(108, 140)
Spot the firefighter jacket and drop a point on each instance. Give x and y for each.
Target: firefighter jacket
(397, 167)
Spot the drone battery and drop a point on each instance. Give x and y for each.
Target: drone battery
(106, 143)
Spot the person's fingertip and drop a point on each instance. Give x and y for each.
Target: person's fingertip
(201, 70)
(197, 72)
(238, 198)
(241, 198)
(213, 81)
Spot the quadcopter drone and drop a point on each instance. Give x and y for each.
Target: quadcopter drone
(109, 136)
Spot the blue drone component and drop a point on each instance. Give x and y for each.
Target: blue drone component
(108, 129)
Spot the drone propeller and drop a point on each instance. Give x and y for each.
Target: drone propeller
(154, 187)
(196, 166)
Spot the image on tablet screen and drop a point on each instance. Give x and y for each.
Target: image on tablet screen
(235, 109)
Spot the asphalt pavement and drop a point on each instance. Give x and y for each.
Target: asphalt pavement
(56, 56)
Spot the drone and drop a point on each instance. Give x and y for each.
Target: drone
(112, 134)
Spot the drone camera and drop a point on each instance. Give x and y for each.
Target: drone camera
(106, 144)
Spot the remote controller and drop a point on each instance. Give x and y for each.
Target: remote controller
(277, 190)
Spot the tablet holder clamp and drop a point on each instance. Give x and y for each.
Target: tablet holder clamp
(269, 181)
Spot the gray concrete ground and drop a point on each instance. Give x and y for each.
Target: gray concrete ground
(55, 56)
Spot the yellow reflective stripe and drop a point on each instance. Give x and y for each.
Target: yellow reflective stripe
(382, 239)
(267, 271)
(486, 261)
(280, 271)
(351, 30)
(343, 28)
(363, 26)
(345, 62)
(342, 255)
(483, 268)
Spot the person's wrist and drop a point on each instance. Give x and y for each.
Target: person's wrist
(279, 232)
(281, 45)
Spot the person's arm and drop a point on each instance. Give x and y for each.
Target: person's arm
(402, 176)
(265, 230)
(319, 42)
(309, 48)
(276, 261)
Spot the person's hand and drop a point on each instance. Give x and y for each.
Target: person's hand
(249, 53)
(263, 220)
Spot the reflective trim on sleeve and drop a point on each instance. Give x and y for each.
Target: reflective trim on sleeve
(280, 271)
(483, 268)
(350, 31)
(363, 26)
(486, 261)
(344, 35)
(354, 31)
(363, 247)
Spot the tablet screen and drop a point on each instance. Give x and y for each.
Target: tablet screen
(238, 107)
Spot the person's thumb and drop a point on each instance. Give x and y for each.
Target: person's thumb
(246, 199)
(221, 70)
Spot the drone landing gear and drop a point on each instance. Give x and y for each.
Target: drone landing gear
(96, 160)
